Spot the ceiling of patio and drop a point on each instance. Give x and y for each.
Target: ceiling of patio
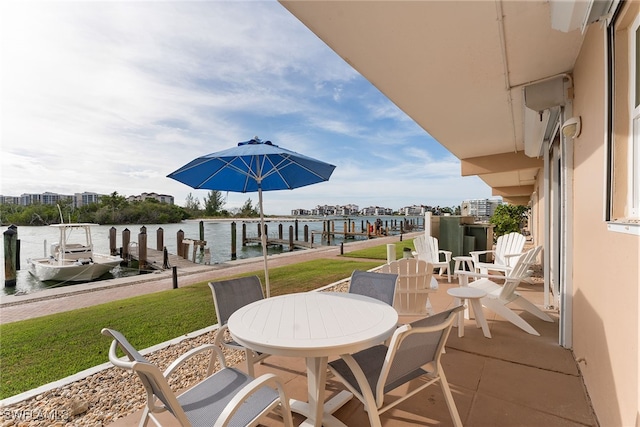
(455, 67)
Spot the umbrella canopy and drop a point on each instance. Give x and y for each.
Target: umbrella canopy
(253, 165)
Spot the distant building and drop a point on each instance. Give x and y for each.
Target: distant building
(45, 198)
(323, 210)
(83, 199)
(376, 211)
(162, 198)
(300, 212)
(414, 210)
(349, 209)
(9, 200)
(77, 199)
(480, 209)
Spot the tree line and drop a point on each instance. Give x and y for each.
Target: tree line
(115, 209)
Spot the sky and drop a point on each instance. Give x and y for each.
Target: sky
(114, 96)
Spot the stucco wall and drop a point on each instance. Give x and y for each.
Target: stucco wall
(605, 276)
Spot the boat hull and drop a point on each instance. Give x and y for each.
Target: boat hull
(45, 269)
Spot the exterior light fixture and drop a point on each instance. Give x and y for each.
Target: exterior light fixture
(571, 127)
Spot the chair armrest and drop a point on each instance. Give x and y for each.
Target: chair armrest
(219, 339)
(463, 277)
(266, 380)
(472, 253)
(481, 275)
(475, 255)
(215, 351)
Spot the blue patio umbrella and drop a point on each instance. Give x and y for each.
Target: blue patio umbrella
(253, 165)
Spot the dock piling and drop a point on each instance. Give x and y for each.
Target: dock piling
(112, 241)
(142, 248)
(10, 255)
(233, 240)
(201, 238)
(179, 245)
(160, 239)
(126, 237)
(291, 238)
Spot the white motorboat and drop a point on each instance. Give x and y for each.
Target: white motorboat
(72, 258)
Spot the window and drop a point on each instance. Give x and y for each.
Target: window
(623, 144)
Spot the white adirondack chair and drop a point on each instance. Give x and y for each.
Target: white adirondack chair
(413, 287)
(427, 250)
(509, 248)
(499, 296)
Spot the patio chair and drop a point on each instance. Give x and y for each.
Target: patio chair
(500, 295)
(380, 286)
(226, 397)
(413, 352)
(414, 286)
(508, 248)
(427, 250)
(228, 296)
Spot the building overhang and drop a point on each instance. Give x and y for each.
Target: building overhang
(499, 163)
(459, 69)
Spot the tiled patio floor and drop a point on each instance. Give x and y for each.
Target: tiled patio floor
(512, 379)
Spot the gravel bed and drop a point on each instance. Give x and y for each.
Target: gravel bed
(102, 398)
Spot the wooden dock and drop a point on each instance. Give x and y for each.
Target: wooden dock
(281, 242)
(155, 260)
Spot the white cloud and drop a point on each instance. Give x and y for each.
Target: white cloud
(113, 96)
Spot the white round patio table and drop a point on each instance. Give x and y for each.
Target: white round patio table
(314, 325)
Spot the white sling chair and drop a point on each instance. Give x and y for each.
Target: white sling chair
(228, 296)
(379, 286)
(227, 397)
(414, 352)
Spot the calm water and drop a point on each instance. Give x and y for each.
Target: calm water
(35, 242)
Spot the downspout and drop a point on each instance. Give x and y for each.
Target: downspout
(547, 226)
(566, 293)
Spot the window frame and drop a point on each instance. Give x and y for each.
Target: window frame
(634, 120)
(622, 211)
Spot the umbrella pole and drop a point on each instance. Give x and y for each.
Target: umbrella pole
(263, 237)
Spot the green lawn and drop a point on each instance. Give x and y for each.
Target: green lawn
(380, 252)
(45, 349)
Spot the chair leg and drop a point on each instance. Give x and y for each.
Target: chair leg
(451, 404)
(532, 308)
(508, 314)
(430, 311)
(249, 357)
(374, 417)
(144, 420)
